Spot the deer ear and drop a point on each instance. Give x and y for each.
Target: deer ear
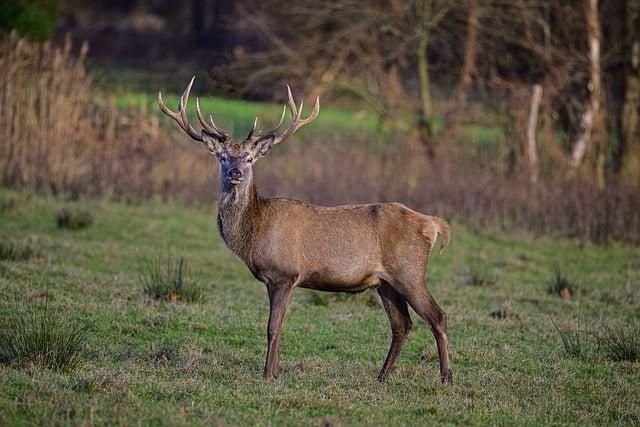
(262, 146)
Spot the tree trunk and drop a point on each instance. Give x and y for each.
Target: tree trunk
(426, 107)
(454, 116)
(531, 149)
(630, 116)
(425, 113)
(591, 139)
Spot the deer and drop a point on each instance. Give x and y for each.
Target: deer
(289, 244)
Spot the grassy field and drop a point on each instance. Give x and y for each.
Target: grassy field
(237, 116)
(171, 363)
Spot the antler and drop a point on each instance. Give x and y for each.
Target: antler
(211, 129)
(295, 124)
(183, 121)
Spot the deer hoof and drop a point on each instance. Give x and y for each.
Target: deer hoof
(447, 377)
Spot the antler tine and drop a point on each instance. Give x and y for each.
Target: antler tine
(272, 131)
(209, 128)
(183, 120)
(181, 116)
(292, 103)
(275, 129)
(178, 118)
(182, 108)
(296, 123)
(314, 112)
(253, 128)
(213, 124)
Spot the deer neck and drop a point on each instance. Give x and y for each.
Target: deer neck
(238, 218)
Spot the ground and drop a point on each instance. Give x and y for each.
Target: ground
(168, 363)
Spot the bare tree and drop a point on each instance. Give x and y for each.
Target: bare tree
(377, 51)
(592, 136)
(453, 118)
(429, 14)
(531, 148)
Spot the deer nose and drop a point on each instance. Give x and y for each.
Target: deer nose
(235, 174)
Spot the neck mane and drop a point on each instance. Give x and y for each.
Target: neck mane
(239, 211)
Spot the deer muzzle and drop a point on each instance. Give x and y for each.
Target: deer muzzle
(235, 176)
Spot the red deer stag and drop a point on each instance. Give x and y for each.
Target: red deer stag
(287, 243)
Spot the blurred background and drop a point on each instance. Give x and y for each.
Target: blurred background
(516, 114)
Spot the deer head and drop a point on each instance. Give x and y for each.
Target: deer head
(237, 158)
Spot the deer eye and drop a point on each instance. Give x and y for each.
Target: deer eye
(249, 159)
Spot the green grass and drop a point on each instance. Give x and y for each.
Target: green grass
(162, 363)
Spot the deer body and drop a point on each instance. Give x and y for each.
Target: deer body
(340, 249)
(286, 243)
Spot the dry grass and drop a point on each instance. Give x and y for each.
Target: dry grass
(56, 140)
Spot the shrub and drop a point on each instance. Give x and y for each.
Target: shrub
(35, 19)
(168, 280)
(561, 285)
(620, 342)
(74, 218)
(11, 250)
(43, 336)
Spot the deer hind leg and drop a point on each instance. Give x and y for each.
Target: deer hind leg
(397, 311)
(279, 297)
(423, 303)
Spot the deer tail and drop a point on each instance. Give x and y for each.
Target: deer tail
(443, 230)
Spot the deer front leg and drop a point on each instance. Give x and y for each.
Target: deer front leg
(279, 296)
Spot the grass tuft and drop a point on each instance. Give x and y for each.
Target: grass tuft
(168, 280)
(11, 250)
(163, 354)
(74, 218)
(43, 336)
(478, 277)
(620, 342)
(7, 204)
(501, 312)
(561, 285)
(574, 341)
